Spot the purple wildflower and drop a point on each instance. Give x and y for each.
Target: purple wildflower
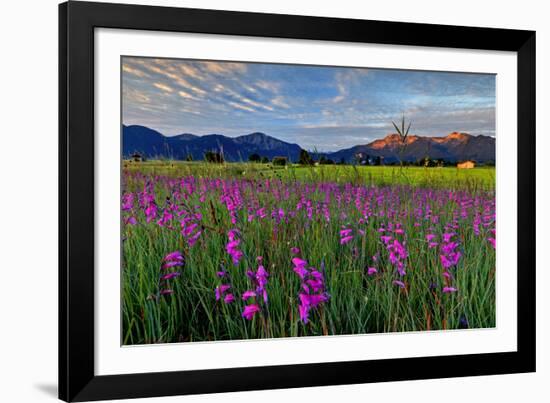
(191, 241)
(250, 310)
(386, 239)
(131, 220)
(248, 294)
(345, 232)
(127, 202)
(345, 240)
(232, 248)
(170, 275)
(313, 288)
(298, 262)
(398, 283)
(447, 237)
(346, 236)
(174, 256)
(220, 291)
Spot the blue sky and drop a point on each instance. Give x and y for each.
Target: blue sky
(327, 108)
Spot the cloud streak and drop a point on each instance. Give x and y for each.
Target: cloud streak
(163, 87)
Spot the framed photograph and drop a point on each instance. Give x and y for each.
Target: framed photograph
(257, 201)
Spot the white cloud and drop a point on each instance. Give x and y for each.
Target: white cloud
(190, 111)
(241, 106)
(279, 101)
(163, 87)
(224, 67)
(191, 71)
(134, 95)
(136, 72)
(171, 73)
(186, 95)
(268, 86)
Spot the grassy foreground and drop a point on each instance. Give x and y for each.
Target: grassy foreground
(304, 251)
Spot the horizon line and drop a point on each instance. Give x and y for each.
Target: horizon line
(284, 141)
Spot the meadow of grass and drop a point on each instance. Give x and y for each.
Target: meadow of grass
(240, 251)
(440, 177)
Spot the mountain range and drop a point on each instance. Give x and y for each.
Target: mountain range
(152, 144)
(453, 147)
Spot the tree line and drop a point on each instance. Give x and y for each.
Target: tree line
(306, 158)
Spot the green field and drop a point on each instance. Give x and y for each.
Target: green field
(430, 214)
(441, 177)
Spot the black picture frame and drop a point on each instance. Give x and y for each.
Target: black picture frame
(77, 21)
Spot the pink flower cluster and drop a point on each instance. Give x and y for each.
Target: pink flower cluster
(345, 236)
(190, 227)
(312, 288)
(259, 283)
(170, 261)
(397, 253)
(232, 246)
(449, 258)
(222, 291)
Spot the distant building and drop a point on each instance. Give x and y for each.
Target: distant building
(279, 160)
(466, 165)
(137, 157)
